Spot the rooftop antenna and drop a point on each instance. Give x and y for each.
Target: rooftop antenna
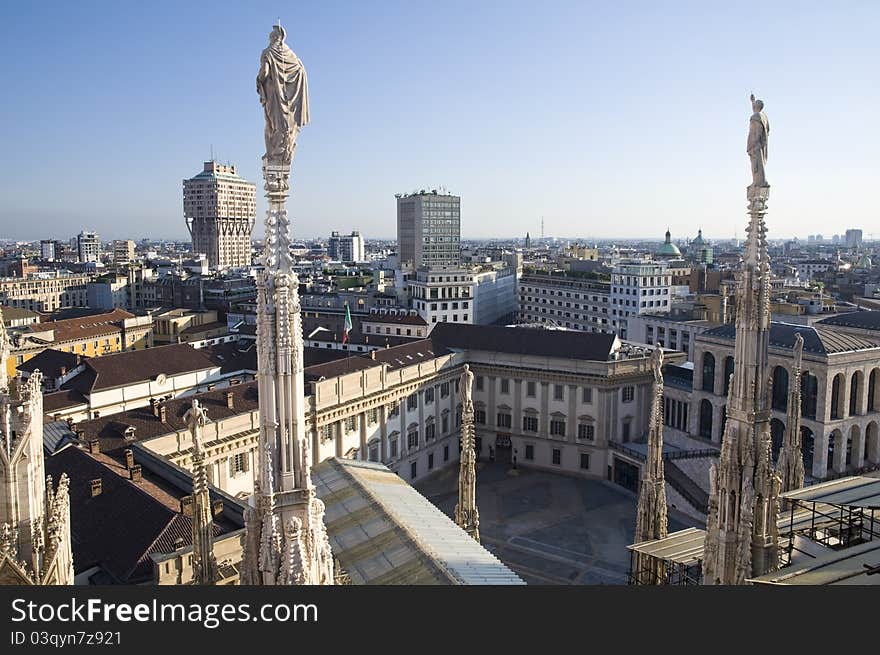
(542, 227)
(212, 152)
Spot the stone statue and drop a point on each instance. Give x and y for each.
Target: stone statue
(196, 418)
(759, 131)
(465, 385)
(284, 94)
(657, 364)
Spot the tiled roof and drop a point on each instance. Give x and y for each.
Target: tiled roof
(819, 340)
(383, 531)
(50, 362)
(87, 326)
(110, 430)
(64, 399)
(591, 346)
(865, 320)
(120, 369)
(120, 527)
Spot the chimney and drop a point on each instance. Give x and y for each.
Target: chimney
(186, 505)
(230, 402)
(56, 417)
(136, 473)
(163, 413)
(218, 507)
(70, 423)
(154, 407)
(94, 446)
(78, 360)
(79, 432)
(96, 487)
(63, 371)
(372, 354)
(129, 458)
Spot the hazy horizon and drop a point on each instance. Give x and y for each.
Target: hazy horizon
(621, 119)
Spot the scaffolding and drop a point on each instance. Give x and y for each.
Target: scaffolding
(673, 560)
(836, 515)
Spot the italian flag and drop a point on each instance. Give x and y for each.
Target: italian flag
(346, 328)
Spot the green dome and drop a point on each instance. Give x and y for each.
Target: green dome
(669, 249)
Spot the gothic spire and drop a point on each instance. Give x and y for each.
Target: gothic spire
(467, 515)
(791, 462)
(204, 562)
(651, 522)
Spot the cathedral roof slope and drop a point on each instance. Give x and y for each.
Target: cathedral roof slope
(383, 531)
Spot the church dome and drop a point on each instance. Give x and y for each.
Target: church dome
(669, 249)
(698, 242)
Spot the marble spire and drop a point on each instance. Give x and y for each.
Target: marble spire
(467, 516)
(285, 539)
(651, 520)
(204, 562)
(35, 545)
(741, 531)
(791, 461)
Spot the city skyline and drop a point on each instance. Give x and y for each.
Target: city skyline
(590, 99)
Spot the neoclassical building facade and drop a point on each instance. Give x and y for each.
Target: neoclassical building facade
(840, 394)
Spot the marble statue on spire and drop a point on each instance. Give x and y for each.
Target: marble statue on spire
(756, 146)
(651, 519)
(285, 539)
(284, 93)
(467, 515)
(741, 527)
(204, 562)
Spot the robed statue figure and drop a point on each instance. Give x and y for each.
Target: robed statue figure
(284, 94)
(759, 131)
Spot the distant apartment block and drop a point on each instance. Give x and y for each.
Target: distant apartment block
(565, 301)
(88, 247)
(443, 295)
(346, 247)
(638, 288)
(45, 292)
(220, 210)
(429, 229)
(123, 252)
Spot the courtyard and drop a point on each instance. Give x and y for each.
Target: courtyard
(550, 528)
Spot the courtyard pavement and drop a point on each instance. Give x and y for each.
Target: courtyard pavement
(548, 527)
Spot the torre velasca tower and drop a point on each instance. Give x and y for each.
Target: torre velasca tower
(220, 210)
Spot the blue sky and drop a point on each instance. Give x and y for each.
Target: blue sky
(609, 119)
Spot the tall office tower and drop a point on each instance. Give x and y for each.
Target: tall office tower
(429, 229)
(88, 246)
(220, 210)
(853, 238)
(123, 252)
(346, 247)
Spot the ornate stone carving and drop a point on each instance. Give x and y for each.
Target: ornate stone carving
(292, 547)
(741, 539)
(467, 515)
(651, 512)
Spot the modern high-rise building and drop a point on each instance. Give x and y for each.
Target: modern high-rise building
(88, 246)
(429, 229)
(346, 247)
(853, 238)
(220, 210)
